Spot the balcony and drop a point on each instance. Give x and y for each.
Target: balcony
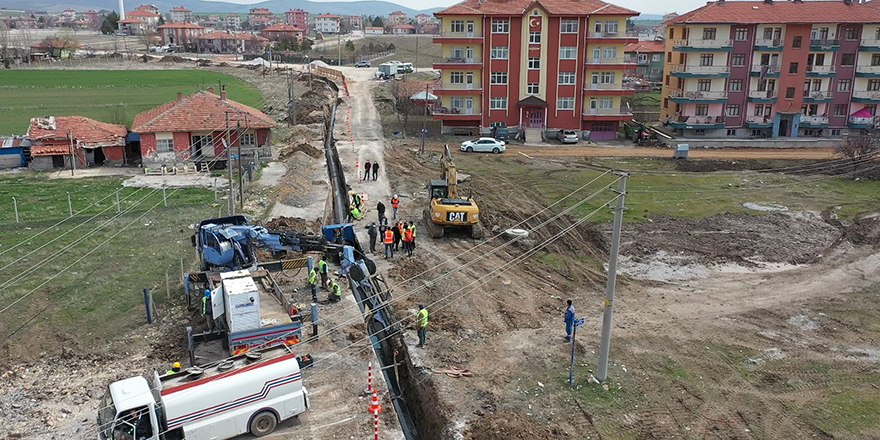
(864, 123)
(813, 70)
(763, 95)
(440, 88)
(684, 71)
(693, 45)
(459, 37)
(769, 44)
(870, 44)
(694, 96)
(607, 114)
(610, 61)
(621, 37)
(820, 96)
(813, 121)
(608, 89)
(759, 122)
(867, 71)
(455, 113)
(697, 122)
(770, 70)
(824, 44)
(453, 62)
(866, 96)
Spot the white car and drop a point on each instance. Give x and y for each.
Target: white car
(567, 136)
(485, 144)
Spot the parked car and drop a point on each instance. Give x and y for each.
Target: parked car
(483, 144)
(501, 133)
(567, 136)
(362, 64)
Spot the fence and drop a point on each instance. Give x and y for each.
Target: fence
(376, 56)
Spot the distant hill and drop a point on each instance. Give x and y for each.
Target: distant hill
(639, 18)
(369, 7)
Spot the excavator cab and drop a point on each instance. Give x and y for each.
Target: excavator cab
(439, 189)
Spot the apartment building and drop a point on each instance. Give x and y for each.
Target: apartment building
(549, 65)
(297, 18)
(772, 69)
(327, 23)
(181, 14)
(649, 59)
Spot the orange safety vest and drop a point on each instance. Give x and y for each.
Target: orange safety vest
(395, 203)
(408, 236)
(389, 236)
(401, 228)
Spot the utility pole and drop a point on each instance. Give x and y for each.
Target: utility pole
(240, 174)
(229, 166)
(72, 153)
(605, 343)
(339, 42)
(424, 119)
(416, 65)
(291, 102)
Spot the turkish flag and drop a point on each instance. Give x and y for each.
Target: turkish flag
(535, 23)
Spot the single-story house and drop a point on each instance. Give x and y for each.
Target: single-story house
(132, 26)
(55, 47)
(55, 139)
(12, 151)
(282, 31)
(229, 42)
(370, 30)
(194, 128)
(403, 29)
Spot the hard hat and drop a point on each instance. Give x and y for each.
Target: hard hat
(207, 292)
(395, 196)
(421, 306)
(175, 365)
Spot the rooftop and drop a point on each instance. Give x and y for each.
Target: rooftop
(180, 25)
(141, 13)
(646, 46)
(754, 12)
(521, 7)
(87, 132)
(201, 110)
(282, 27)
(181, 9)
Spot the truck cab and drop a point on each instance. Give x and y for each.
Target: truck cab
(128, 412)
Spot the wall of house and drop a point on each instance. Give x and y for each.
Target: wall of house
(114, 156)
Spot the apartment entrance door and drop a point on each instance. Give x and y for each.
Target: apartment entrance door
(535, 117)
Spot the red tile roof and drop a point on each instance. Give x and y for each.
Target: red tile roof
(403, 26)
(520, 7)
(397, 13)
(180, 25)
(86, 132)
(181, 9)
(222, 35)
(753, 12)
(197, 112)
(141, 13)
(646, 46)
(327, 16)
(282, 27)
(56, 42)
(131, 20)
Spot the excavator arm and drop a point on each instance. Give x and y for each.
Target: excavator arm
(450, 173)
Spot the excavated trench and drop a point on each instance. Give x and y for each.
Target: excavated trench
(412, 392)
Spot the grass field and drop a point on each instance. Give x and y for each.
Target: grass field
(100, 296)
(106, 95)
(428, 52)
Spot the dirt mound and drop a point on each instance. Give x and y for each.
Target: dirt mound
(171, 59)
(313, 107)
(864, 230)
(204, 63)
(294, 224)
(741, 238)
(287, 151)
(509, 426)
(406, 269)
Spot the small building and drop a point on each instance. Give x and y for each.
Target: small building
(150, 19)
(396, 18)
(132, 26)
(282, 31)
(181, 34)
(55, 47)
(56, 139)
(648, 56)
(194, 127)
(370, 30)
(150, 8)
(327, 23)
(297, 18)
(354, 22)
(403, 29)
(181, 14)
(25, 23)
(230, 42)
(12, 151)
(423, 18)
(233, 22)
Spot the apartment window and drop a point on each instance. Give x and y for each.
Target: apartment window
(733, 110)
(871, 108)
(759, 109)
(499, 52)
(606, 103)
(643, 58)
(456, 102)
(702, 110)
(681, 58)
(768, 33)
(500, 26)
(850, 33)
(707, 59)
(738, 59)
(164, 145)
(456, 26)
(835, 132)
(848, 59)
(534, 63)
(456, 77)
(565, 103)
(699, 132)
(840, 110)
(655, 71)
(735, 85)
(874, 85)
(875, 59)
(731, 132)
(741, 34)
(844, 85)
(532, 88)
(672, 34)
(535, 37)
(789, 93)
(877, 34)
(567, 52)
(704, 85)
(709, 33)
(667, 80)
(793, 68)
(248, 140)
(668, 57)
(498, 103)
(796, 42)
(768, 109)
(568, 26)
(498, 78)
(609, 52)
(665, 102)
(566, 78)
(817, 85)
(607, 77)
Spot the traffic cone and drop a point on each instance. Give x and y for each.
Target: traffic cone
(375, 408)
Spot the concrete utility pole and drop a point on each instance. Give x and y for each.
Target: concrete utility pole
(291, 107)
(339, 42)
(72, 153)
(240, 173)
(424, 121)
(229, 166)
(416, 65)
(605, 343)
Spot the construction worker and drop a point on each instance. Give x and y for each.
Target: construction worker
(354, 212)
(335, 292)
(397, 230)
(388, 239)
(207, 310)
(373, 233)
(412, 227)
(569, 321)
(422, 324)
(175, 367)
(322, 268)
(380, 210)
(313, 276)
(395, 203)
(356, 200)
(408, 241)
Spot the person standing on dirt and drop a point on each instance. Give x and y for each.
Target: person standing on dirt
(322, 267)
(371, 231)
(375, 170)
(408, 241)
(569, 321)
(354, 212)
(422, 324)
(207, 309)
(412, 227)
(380, 208)
(395, 230)
(395, 203)
(367, 168)
(388, 239)
(313, 276)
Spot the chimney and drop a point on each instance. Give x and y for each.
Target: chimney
(223, 92)
(210, 90)
(179, 96)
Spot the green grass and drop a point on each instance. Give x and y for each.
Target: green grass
(111, 96)
(425, 55)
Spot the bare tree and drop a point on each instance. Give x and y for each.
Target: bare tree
(859, 149)
(149, 37)
(5, 42)
(401, 94)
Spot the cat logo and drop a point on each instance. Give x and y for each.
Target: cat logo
(456, 216)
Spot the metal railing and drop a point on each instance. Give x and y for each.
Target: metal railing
(821, 94)
(771, 68)
(763, 94)
(607, 87)
(864, 120)
(814, 119)
(448, 86)
(760, 120)
(700, 120)
(870, 94)
(606, 34)
(820, 69)
(769, 42)
(460, 60)
(450, 34)
(699, 69)
(618, 60)
(825, 42)
(607, 111)
(455, 111)
(703, 43)
(874, 42)
(867, 69)
(698, 94)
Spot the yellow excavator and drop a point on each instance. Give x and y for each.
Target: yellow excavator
(447, 208)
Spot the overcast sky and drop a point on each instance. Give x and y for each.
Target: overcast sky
(643, 6)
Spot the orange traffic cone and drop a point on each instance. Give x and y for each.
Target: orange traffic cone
(374, 408)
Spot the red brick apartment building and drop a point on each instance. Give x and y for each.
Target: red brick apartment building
(550, 64)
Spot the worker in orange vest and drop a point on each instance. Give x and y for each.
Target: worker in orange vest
(408, 241)
(388, 239)
(398, 235)
(395, 203)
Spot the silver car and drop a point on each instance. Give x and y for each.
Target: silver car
(485, 144)
(567, 136)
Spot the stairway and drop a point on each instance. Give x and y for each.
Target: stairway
(534, 136)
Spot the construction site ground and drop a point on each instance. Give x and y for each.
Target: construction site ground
(747, 304)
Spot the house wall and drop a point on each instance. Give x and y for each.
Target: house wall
(114, 156)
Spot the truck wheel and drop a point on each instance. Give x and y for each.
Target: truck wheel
(263, 424)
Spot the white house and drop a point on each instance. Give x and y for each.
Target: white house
(327, 23)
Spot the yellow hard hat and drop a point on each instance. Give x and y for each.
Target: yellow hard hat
(176, 365)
